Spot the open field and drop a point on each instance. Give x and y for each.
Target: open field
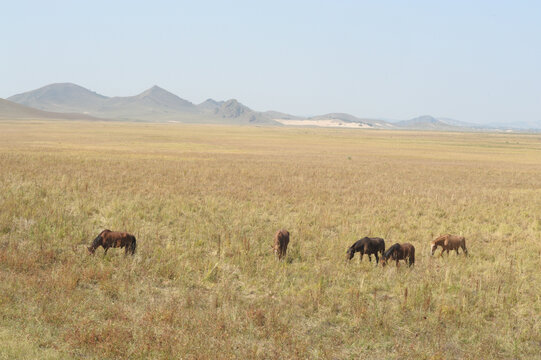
(204, 203)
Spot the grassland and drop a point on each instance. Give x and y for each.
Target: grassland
(204, 203)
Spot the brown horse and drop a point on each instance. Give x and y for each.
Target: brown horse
(281, 240)
(108, 239)
(449, 242)
(397, 252)
(367, 246)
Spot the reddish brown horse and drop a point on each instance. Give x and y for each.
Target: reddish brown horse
(397, 252)
(449, 242)
(281, 240)
(109, 239)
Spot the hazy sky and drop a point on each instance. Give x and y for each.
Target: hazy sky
(477, 61)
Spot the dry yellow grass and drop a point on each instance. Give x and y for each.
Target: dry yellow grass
(204, 203)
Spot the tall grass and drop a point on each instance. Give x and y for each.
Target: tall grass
(204, 203)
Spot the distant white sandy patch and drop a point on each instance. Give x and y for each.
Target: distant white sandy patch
(324, 123)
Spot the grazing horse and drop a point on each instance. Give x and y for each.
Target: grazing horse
(397, 252)
(108, 239)
(449, 242)
(281, 240)
(367, 246)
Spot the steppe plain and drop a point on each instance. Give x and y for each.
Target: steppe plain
(204, 202)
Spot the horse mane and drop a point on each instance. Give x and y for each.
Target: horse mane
(104, 231)
(441, 237)
(355, 243)
(98, 238)
(96, 242)
(390, 250)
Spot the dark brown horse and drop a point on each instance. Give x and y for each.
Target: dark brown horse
(367, 246)
(109, 239)
(397, 252)
(281, 240)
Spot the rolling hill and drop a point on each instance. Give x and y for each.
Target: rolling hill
(210, 105)
(353, 119)
(154, 104)
(61, 97)
(13, 111)
(427, 122)
(159, 105)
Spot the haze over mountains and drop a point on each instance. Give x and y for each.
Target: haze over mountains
(13, 111)
(154, 104)
(71, 101)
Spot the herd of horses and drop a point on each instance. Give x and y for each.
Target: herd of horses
(405, 251)
(367, 245)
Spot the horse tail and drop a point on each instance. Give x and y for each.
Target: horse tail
(133, 245)
(412, 256)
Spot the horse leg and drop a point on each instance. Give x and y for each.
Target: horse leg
(282, 252)
(456, 251)
(361, 256)
(447, 252)
(377, 259)
(105, 252)
(370, 257)
(464, 250)
(442, 250)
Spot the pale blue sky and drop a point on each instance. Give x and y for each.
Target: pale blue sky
(475, 61)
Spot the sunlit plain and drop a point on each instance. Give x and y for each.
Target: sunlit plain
(204, 202)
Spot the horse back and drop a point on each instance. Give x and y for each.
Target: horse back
(376, 244)
(380, 244)
(117, 239)
(281, 239)
(408, 248)
(455, 240)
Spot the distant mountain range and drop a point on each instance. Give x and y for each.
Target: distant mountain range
(154, 104)
(429, 122)
(71, 101)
